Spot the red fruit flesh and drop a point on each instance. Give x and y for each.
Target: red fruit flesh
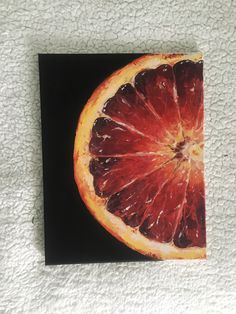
(147, 154)
(158, 89)
(128, 107)
(132, 202)
(189, 77)
(164, 214)
(191, 229)
(110, 138)
(112, 174)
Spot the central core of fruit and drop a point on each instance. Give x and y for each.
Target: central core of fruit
(188, 149)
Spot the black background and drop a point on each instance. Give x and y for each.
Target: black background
(72, 235)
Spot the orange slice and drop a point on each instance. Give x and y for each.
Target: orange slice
(138, 156)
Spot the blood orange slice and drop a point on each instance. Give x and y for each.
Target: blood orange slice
(138, 154)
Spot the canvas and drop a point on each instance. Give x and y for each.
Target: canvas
(123, 161)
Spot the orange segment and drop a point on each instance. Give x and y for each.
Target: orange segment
(127, 107)
(158, 89)
(131, 205)
(191, 230)
(189, 85)
(110, 138)
(164, 215)
(112, 174)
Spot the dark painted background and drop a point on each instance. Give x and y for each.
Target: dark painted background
(72, 235)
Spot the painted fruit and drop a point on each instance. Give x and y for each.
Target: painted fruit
(138, 156)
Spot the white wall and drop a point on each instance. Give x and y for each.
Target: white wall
(29, 27)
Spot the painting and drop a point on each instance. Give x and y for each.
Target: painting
(123, 144)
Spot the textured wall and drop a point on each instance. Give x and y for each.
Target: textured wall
(30, 27)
